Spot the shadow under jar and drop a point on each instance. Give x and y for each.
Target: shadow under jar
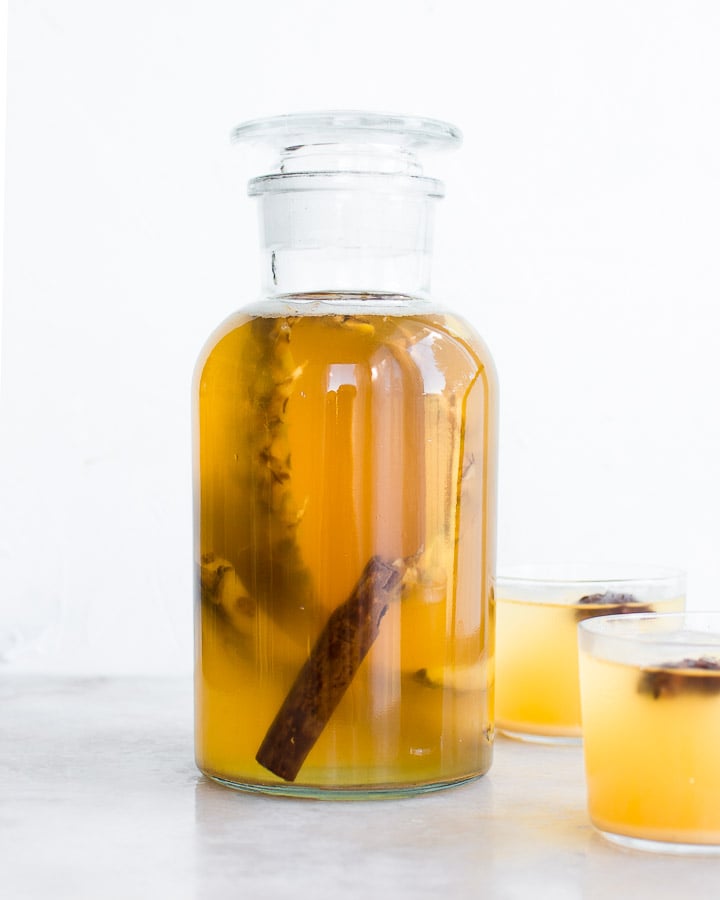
(345, 456)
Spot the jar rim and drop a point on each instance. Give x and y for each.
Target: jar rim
(346, 181)
(589, 573)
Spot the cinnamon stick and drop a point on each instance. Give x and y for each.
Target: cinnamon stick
(328, 671)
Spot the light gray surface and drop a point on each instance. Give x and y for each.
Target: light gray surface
(100, 799)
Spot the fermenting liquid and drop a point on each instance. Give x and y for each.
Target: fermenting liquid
(335, 450)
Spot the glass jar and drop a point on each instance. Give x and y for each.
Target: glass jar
(345, 469)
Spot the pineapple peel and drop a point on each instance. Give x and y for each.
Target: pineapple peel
(221, 586)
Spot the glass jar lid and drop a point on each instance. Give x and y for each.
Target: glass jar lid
(347, 149)
(331, 126)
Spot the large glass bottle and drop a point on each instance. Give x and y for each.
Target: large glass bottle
(345, 468)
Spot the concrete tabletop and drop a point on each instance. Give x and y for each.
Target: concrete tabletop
(100, 798)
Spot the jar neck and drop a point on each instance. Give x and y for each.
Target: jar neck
(346, 241)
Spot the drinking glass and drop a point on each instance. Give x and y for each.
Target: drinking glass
(651, 727)
(537, 694)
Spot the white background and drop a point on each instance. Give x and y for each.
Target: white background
(580, 235)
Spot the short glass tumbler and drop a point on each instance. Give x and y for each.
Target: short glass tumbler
(651, 724)
(537, 692)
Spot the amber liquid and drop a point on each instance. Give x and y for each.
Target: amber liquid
(652, 761)
(324, 440)
(538, 689)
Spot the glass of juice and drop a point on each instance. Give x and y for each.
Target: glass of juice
(651, 724)
(537, 693)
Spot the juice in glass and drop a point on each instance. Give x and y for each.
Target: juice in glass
(538, 610)
(651, 727)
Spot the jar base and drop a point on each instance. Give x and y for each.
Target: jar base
(350, 792)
